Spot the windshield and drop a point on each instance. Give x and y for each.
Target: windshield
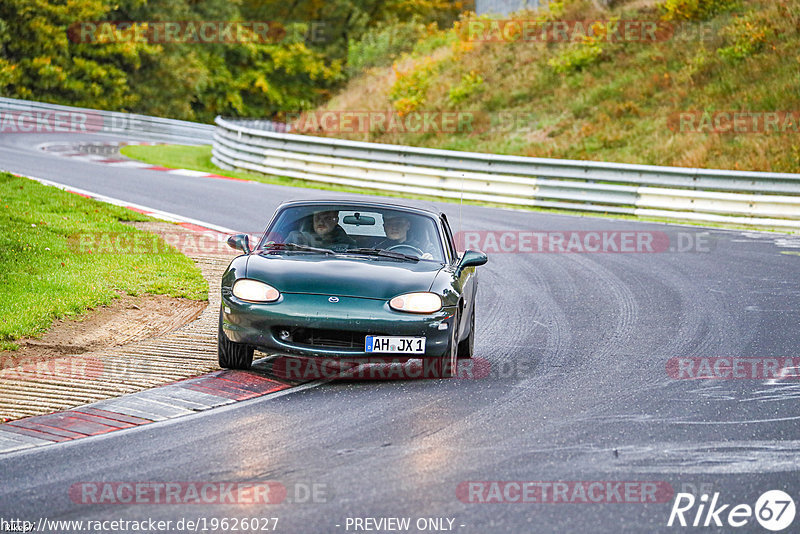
(356, 230)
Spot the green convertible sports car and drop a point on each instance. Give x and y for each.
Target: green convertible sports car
(350, 280)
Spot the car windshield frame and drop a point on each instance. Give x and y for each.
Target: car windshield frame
(435, 234)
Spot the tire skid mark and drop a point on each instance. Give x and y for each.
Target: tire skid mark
(623, 301)
(708, 326)
(550, 280)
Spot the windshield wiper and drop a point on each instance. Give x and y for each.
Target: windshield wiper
(295, 247)
(382, 253)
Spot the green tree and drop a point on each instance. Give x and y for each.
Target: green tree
(189, 80)
(37, 60)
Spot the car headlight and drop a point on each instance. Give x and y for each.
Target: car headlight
(417, 303)
(255, 291)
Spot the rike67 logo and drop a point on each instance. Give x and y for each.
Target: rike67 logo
(774, 510)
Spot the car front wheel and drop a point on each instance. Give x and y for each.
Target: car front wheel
(467, 347)
(448, 362)
(232, 355)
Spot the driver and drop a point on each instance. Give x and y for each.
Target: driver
(396, 228)
(325, 232)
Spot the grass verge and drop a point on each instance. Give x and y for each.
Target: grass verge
(198, 158)
(47, 277)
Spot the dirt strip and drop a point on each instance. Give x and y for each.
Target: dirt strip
(71, 380)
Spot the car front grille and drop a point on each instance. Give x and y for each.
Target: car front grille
(321, 338)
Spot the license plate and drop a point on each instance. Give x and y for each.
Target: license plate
(405, 345)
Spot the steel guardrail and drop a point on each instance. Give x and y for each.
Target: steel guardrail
(739, 197)
(39, 117)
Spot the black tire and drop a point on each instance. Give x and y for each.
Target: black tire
(467, 347)
(232, 355)
(448, 362)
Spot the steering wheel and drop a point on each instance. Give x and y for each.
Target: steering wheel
(414, 249)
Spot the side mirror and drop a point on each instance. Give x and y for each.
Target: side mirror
(472, 258)
(240, 242)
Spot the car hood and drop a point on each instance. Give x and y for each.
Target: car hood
(375, 278)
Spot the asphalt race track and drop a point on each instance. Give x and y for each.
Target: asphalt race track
(578, 388)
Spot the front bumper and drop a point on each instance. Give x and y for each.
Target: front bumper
(261, 325)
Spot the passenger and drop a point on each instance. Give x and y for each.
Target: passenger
(325, 232)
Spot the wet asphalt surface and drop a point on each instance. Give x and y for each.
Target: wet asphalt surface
(577, 389)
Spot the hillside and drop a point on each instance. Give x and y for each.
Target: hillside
(618, 92)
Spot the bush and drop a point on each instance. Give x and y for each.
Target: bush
(381, 45)
(694, 9)
(748, 35)
(578, 56)
(435, 39)
(409, 90)
(470, 84)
